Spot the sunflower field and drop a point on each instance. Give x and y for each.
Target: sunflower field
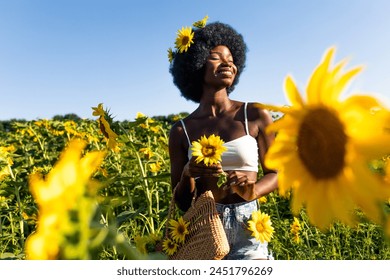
(100, 189)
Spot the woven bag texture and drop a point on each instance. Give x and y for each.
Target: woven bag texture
(207, 238)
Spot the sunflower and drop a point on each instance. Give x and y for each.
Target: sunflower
(324, 145)
(201, 23)
(5, 172)
(155, 167)
(67, 179)
(108, 133)
(262, 200)
(169, 246)
(184, 39)
(146, 243)
(179, 229)
(68, 191)
(208, 150)
(295, 228)
(140, 243)
(147, 152)
(171, 55)
(105, 127)
(261, 226)
(98, 111)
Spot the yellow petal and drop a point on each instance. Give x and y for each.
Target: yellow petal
(315, 86)
(317, 206)
(342, 83)
(292, 93)
(368, 191)
(274, 108)
(285, 183)
(340, 200)
(279, 153)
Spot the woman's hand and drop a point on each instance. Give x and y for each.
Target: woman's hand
(201, 170)
(238, 182)
(195, 170)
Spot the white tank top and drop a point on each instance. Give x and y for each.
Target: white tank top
(241, 154)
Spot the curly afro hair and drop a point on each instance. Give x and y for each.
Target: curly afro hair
(188, 68)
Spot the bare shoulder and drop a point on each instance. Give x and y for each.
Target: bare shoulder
(258, 114)
(176, 132)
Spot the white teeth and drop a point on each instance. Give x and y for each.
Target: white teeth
(225, 73)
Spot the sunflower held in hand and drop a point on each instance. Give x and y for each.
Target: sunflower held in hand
(208, 150)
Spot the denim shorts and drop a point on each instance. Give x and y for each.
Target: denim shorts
(243, 246)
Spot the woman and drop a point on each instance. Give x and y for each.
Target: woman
(206, 73)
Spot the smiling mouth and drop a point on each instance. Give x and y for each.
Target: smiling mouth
(224, 73)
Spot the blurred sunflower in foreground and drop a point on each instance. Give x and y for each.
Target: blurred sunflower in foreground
(324, 146)
(66, 198)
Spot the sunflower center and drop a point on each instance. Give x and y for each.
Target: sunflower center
(171, 245)
(259, 227)
(185, 40)
(208, 151)
(181, 229)
(322, 143)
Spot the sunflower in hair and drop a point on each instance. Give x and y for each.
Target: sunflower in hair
(171, 55)
(184, 39)
(201, 23)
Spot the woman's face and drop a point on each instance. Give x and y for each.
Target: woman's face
(220, 68)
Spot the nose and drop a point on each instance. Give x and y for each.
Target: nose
(227, 63)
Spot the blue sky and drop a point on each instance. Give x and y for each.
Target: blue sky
(65, 56)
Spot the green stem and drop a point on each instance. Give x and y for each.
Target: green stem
(145, 188)
(18, 201)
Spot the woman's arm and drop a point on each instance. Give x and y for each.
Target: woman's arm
(182, 183)
(184, 171)
(251, 189)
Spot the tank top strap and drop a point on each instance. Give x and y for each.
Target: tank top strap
(185, 131)
(246, 118)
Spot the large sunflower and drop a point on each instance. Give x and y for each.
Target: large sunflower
(67, 191)
(208, 150)
(324, 145)
(261, 226)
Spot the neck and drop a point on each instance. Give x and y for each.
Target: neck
(215, 103)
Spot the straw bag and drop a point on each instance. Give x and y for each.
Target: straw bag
(207, 238)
